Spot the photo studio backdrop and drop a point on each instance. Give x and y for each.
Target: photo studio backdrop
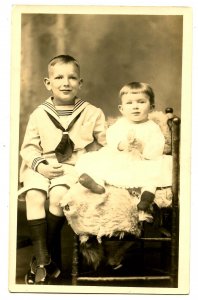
(112, 50)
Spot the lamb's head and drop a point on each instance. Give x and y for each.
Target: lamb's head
(69, 205)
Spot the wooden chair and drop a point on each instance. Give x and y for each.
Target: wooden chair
(168, 243)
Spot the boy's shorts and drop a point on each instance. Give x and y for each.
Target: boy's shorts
(34, 180)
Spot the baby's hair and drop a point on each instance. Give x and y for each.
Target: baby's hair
(63, 59)
(137, 88)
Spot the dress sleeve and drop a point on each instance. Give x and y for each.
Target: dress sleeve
(31, 150)
(154, 145)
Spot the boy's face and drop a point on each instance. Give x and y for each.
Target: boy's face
(135, 107)
(64, 82)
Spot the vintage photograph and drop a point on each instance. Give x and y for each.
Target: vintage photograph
(100, 149)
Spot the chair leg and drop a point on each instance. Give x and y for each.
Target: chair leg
(174, 249)
(75, 260)
(175, 201)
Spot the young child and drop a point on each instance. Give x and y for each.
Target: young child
(133, 155)
(58, 132)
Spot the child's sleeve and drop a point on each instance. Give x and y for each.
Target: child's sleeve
(31, 150)
(99, 131)
(154, 146)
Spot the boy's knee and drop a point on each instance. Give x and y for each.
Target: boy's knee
(35, 195)
(35, 199)
(56, 194)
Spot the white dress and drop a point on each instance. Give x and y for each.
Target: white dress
(130, 169)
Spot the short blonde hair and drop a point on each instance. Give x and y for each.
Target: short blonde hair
(137, 88)
(63, 59)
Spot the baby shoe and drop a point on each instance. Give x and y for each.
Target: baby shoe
(90, 184)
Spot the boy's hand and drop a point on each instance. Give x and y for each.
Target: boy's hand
(50, 171)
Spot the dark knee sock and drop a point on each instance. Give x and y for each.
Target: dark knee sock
(38, 232)
(54, 226)
(146, 200)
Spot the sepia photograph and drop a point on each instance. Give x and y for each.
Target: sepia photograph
(100, 149)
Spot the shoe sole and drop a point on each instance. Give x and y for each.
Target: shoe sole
(31, 281)
(27, 280)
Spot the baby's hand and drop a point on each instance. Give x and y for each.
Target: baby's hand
(125, 144)
(50, 171)
(128, 146)
(138, 145)
(131, 140)
(131, 136)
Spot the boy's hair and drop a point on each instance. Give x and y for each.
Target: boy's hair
(137, 88)
(63, 59)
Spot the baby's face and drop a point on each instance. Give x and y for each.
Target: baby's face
(135, 107)
(64, 82)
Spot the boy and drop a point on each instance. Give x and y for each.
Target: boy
(58, 132)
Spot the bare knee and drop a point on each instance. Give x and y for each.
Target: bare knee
(55, 196)
(35, 204)
(35, 196)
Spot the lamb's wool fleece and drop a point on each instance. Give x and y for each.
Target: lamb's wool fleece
(162, 120)
(112, 213)
(163, 197)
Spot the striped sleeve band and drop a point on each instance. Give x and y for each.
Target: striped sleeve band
(37, 161)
